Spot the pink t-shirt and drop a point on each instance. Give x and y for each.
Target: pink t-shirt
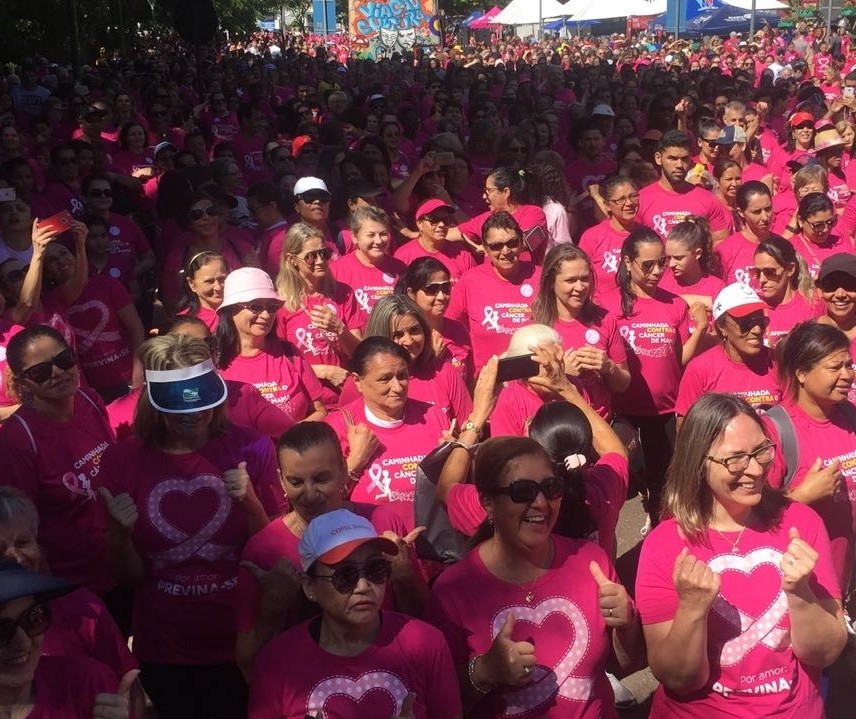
(66, 687)
(62, 197)
(493, 308)
(126, 238)
(456, 258)
(784, 207)
(754, 671)
(368, 283)
(602, 243)
(814, 254)
(81, 626)
(277, 541)
(207, 315)
(654, 336)
(318, 346)
(661, 209)
(708, 286)
(828, 440)
(102, 344)
(408, 656)
(786, 315)
(602, 334)
(459, 348)
(572, 645)
(606, 489)
(190, 534)
(737, 255)
(249, 154)
(389, 477)
(714, 371)
(528, 217)
(7, 331)
(126, 162)
(56, 465)
(284, 378)
(270, 247)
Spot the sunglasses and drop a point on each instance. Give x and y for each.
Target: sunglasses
(709, 143)
(432, 289)
(805, 126)
(35, 622)
(525, 491)
(101, 193)
(41, 372)
(500, 246)
(199, 213)
(823, 224)
(324, 254)
(437, 219)
(345, 577)
(746, 324)
(319, 196)
(846, 283)
(768, 273)
(647, 266)
(258, 307)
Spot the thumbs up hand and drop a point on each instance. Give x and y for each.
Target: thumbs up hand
(798, 562)
(121, 508)
(507, 662)
(236, 481)
(613, 599)
(118, 705)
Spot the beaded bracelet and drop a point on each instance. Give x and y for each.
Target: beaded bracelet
(480, 688)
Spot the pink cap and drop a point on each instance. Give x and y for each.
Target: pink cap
(427, 207)
(248, 284)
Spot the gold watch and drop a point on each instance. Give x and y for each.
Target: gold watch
(470, 426)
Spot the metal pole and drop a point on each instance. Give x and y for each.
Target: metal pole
(540, 19)
(829, 20)
(752, 21)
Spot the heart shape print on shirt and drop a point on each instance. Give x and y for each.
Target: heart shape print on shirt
(379, 694)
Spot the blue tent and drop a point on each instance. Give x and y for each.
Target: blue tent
(727, 18)
(474, 15)
(563, 22)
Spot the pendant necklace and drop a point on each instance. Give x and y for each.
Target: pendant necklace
(735, 545)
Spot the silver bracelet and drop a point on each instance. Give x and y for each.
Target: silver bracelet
(480, 688)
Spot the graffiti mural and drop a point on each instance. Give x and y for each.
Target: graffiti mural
(388, 26)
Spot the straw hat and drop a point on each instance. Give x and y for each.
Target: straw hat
(825, 139)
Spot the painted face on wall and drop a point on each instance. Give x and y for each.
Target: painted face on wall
(407, 38)
(388, 38)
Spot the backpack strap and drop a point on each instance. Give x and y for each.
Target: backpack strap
(787, 440)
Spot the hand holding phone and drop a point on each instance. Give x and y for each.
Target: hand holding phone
(58, 223)
(520, 367)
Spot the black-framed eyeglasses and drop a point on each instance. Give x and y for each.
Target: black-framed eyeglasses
(737, 463)
(525, 491)
(315, 196)
(345, 577)
(95, 193)
(647, 266)
(200, 212)
(313, 256)
(41, 372)
(500, 246)
(748, 323)
(35, 622)
(823, 224)
(258, 307)
(432, 289)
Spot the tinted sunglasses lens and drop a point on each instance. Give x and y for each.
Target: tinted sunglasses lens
(38, 373)
(196, 215)
(101, 193)
(524, 491)
(344, 579)
(378, 571)
(65, 360)
(36, 621)
(310, 197)
(848, 284)
(435, 288)
(553, 488)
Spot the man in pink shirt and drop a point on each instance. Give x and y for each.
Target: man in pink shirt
(672, 199)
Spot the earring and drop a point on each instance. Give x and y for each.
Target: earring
(490, 521)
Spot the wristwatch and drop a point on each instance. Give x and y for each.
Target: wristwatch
(470, 426)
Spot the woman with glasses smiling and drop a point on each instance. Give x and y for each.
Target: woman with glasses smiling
(532, 618)
(740, 605)
(250, 352)
(815, 241)
(433, 218)
(655, 327)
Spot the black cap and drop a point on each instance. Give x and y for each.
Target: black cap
(17, 582)
(361, 188)
(842, 262)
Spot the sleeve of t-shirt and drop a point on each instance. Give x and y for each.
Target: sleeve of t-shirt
(459, 396)
(716, 217)
(108, 644)
(608, 480)
(690, 388)
(615, 346)
(465, 510)
(457, 309)
(683, 324)
(309, 378)
(472, 228)
(656, 596)
(260, 457)
(352, 314)
(267, 418)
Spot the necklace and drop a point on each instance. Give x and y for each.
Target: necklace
(735, 545)
(530, 593)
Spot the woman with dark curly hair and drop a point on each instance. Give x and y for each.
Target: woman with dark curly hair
(549, 188)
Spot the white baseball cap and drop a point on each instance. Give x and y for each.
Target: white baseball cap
(602, 110)
(738, 300)
(305, 184)
(334, 536)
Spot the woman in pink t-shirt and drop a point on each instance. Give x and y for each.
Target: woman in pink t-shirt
(356, 659)
(594, 351)
(816, 375)
(837, 286)
(314, 476)
(806, 180)
(728, 175)
(602, 243)
(184, 495)
(532, 618)
(737, 252)
(248, 350)
(815, 241)
(204, 279)
(829, 151)
(694, 268)
(740, 605)
(319, 316)
(428, 283)
(655, 327)
(785, 287)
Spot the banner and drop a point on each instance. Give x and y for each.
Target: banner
(324, 17)
(383, 27)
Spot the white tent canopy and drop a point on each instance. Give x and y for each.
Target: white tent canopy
(531, 12)
(759, 4)
(594, 10)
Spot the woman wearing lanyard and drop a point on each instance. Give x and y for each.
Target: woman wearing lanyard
(785, 287)
(494, 299)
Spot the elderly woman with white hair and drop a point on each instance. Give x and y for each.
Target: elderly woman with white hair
(520, 397)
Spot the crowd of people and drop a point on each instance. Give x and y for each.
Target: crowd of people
(325, 379)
